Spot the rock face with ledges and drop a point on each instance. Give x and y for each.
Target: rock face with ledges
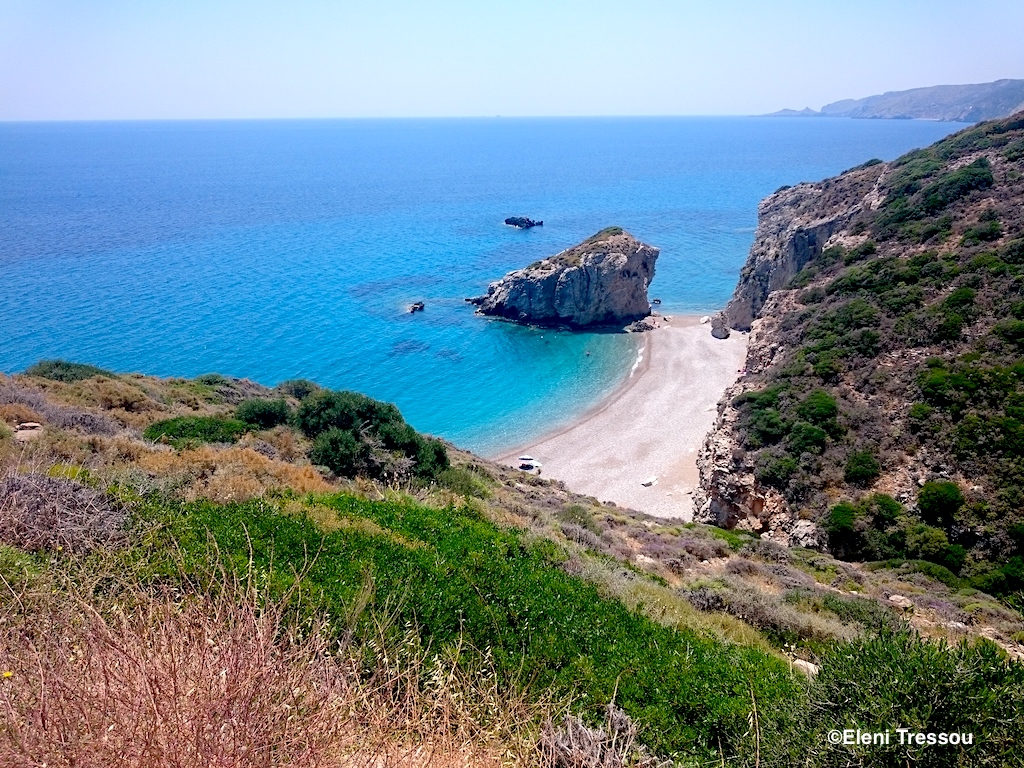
(603, 281)
(794, 224)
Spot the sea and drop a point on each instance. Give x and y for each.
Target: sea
(276, 250)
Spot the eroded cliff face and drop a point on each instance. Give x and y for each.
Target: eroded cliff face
(601, 281)
(793, 226)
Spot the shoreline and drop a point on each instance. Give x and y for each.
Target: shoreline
(650, 427)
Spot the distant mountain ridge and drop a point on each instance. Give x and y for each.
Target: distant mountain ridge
(958, 103)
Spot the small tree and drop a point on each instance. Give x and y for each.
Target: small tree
(862, 469)
(939, 502)
(340, 451)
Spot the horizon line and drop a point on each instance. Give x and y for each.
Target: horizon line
(22, 121)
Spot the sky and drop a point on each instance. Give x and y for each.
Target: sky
(188, 59)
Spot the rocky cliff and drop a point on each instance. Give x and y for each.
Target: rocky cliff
(602, 281)
(881, 413)
(794, 224)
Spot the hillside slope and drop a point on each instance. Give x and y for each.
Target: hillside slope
(347, 592)
(882, 411)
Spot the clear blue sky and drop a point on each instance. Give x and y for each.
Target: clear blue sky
(117, 59)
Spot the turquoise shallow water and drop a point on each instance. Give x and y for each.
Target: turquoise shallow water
(284, 249)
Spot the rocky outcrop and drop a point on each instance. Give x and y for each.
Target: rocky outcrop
(794, 224)
(523, 222)
(602, 281)
(719, 326)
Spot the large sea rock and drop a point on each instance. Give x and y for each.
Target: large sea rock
(602, 281)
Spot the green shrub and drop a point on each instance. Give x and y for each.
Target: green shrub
(298, 388)
(862, 251)
(326, 408)
(959, 300)
(62, 370)
(211, 379)
(806, 438)
(465, 481)
(775, 469)
(378, 426)
(766, 427)
(862, 468)
(954, 185)
(965, 688)
(984, 232)
(818, 407)
(886, 508)
(579, 515)
(340, 451)
(183, 430)
(939, 501)
(1013, 252)
(263, 413)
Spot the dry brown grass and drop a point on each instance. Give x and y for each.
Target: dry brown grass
(17, 413)
(165, 682)
(231, 474)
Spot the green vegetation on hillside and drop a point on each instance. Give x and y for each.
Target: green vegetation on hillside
(482, 607)
(62, 370)
(915, 341)
(355, 435)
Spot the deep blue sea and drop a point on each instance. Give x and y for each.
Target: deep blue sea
(285, 249)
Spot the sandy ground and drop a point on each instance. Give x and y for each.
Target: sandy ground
(651, 427)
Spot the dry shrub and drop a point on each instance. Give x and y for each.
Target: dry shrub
(766, 612)
(705, 548)
(232, 474)
(286, 442)
(18, 413)
(574, 745)
(227, 681)
(38, 512)
(17, 396)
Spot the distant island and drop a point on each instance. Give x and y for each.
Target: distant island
(956, 103)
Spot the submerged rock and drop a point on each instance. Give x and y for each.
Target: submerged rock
(601, 281)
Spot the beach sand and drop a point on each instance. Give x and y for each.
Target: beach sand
(651, 427)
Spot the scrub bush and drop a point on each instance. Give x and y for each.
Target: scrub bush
(62, 370)
(183, 430)
(263, 413)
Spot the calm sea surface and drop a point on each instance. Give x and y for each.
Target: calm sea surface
(285, 249)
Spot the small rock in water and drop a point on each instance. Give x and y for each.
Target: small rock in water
(523, 222)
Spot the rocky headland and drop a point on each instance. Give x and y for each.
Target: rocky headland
(877, 416)
(603, 281)
(957, 103)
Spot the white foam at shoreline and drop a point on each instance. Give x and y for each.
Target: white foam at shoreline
(639, 359)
